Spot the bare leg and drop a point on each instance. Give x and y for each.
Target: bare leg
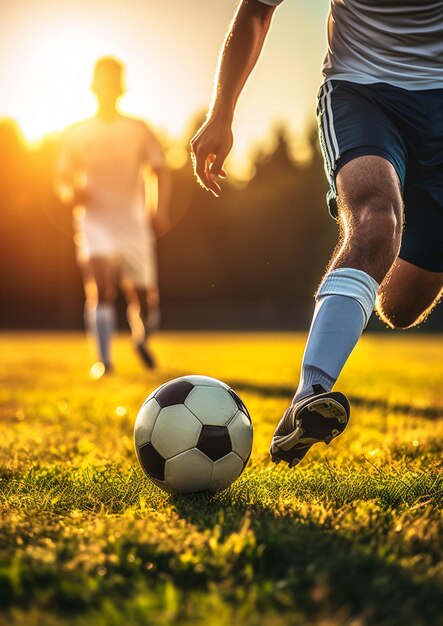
(140, 304)
(370, 216)
(408, 294)
(99, 283)
(370, 220)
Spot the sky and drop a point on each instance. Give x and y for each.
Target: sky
(170, 48)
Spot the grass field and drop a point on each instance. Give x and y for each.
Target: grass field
(354, 536)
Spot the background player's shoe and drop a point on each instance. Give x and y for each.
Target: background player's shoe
(320, 417)
(145, 355)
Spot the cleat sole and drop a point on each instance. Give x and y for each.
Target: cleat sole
(317, 420)
(328, 409)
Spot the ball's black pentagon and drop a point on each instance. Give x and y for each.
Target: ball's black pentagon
(214, 441)
(240, 404)
(152, 462)
(174, 392)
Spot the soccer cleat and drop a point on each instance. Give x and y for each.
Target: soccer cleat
(321, 416)
(145, 355)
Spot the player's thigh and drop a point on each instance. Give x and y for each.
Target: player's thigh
(355, 127)
(369, 190)
(408, 294)
(103, 271)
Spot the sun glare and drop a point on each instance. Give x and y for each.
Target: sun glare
(48, 50)
(50, 82)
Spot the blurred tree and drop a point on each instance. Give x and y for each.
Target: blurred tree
(249, 259)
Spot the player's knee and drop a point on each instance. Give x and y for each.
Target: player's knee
(377, 223)
(106, 295)
(380, 218)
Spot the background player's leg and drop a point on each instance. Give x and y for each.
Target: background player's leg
(100, 314)
(370, 217)
(408, 294)
(142, 315)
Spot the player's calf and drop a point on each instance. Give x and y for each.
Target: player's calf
(408, 295)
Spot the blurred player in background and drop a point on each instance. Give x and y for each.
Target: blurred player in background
(380, 114)
(104, 173)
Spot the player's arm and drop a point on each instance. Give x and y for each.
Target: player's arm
(65, 174)
(161, 217)
(155, 158)
(244, 41)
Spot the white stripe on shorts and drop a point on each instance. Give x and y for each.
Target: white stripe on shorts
(328, 137)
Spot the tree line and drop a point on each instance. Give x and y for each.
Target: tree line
(249, 259)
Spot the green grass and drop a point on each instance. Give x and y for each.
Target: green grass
(354, 536)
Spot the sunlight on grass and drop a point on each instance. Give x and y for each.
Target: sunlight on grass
(354, 534)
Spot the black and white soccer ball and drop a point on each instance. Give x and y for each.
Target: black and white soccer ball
(193, 434)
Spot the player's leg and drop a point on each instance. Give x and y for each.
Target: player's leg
(370, 210)
(408, 294)
(139, 284)
(100, 317)
(142, 314)
(413, 286)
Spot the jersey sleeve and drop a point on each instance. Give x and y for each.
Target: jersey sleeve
(154, 153)
(271, 3)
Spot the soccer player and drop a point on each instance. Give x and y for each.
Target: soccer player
(380, 117)
(102, 171)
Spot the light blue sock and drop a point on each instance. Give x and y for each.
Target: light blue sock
(101, 322)
(345, 301)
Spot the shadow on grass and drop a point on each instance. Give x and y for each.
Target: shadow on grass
(283, 391)
(301, 565)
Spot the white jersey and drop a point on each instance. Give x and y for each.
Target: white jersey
(399, 42)
(106, 160)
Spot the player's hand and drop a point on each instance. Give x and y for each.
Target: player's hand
(209, 148)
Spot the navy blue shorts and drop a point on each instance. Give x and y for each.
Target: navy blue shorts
(404, 127)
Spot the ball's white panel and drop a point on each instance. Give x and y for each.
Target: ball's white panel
(213, 406)
(205, 381)
(145, 421)
(188, 472)
(240, 431)
(225, 471)
(175, 430)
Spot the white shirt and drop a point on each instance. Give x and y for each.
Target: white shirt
(107, 160)
(399, 42)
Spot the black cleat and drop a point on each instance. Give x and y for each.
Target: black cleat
(146, 355)
(320, 417)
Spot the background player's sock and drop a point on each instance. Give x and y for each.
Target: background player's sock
(345, 301)
(153, 321)
(101, 322)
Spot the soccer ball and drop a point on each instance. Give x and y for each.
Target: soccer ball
(193, 434)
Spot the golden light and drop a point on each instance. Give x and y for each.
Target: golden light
(48, 50)
(49, 81)
(51, 85)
